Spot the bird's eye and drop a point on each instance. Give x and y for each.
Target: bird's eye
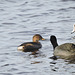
(36, 37)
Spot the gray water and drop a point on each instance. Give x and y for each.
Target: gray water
(20, 20)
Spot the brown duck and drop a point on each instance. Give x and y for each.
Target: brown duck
(32, 46)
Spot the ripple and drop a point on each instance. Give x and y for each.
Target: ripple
(6, 74)
(24, 14)
(8, 23)
(71, 8)
(63, 9)
(5, 65)
(13, 69)
(23, 4)
(23, 72)
(10, 1)
(35, 16)
(1, 10)
(4, 53)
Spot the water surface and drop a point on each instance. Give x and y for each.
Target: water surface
(20, 20)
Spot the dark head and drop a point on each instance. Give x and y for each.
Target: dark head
(37, 37)
(53, 41)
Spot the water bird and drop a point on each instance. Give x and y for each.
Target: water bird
(65, 51)
(73, 29)
(32, 46)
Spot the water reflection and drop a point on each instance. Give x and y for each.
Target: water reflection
(69, 61)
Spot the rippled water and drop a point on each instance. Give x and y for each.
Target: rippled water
(20, 20)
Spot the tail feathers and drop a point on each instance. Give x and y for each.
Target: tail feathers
(20, 47)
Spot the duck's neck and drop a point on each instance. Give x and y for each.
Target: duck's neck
(53, 40)
(35, 40)
(55, 44)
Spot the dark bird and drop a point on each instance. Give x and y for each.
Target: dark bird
(66, 50)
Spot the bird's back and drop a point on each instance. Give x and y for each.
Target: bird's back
(65, 50)
(31, 46)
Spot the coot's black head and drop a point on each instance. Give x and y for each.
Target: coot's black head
(53, 41)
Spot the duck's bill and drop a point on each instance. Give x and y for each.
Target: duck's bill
(43, 39)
